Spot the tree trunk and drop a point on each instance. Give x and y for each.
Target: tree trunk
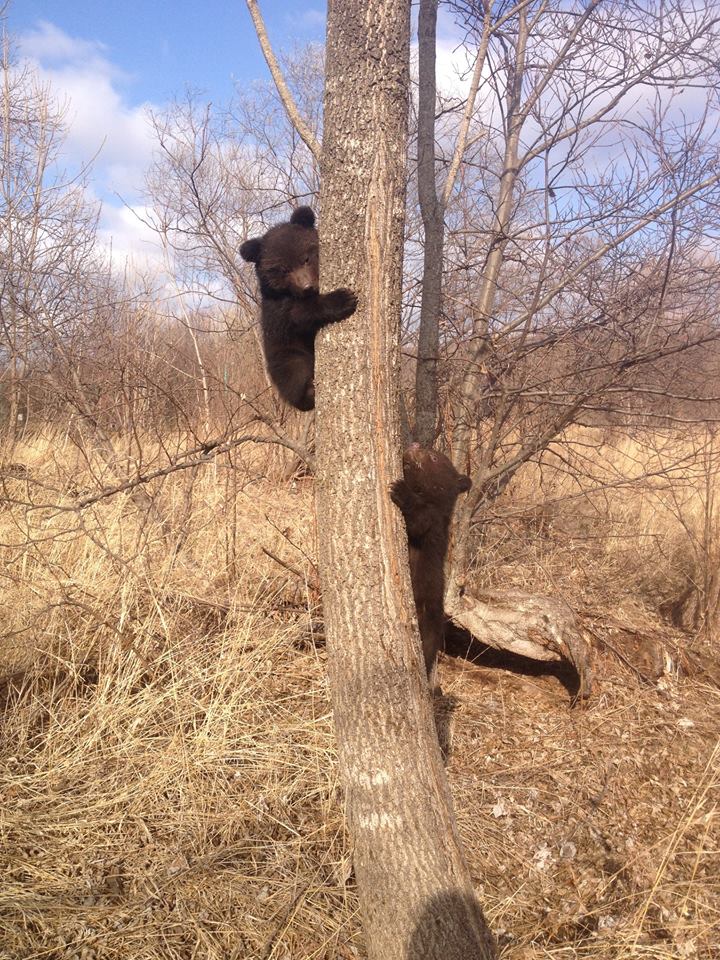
(499, 235)
(415, 890)
(433, 217)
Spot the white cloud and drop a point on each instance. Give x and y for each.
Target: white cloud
(99, 119)
(133, 244)
(102, 127)
(48, 43)
(310, 19)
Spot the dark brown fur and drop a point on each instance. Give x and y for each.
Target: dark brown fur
(293, 310)
(426, 496)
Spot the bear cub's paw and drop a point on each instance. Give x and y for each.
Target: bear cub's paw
(400, 494)
(341, 303)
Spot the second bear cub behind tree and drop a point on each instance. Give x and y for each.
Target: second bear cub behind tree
(426, 496)
(293, 310)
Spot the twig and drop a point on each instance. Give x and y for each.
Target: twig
(291, 109)
(284, 563)
(284, 440)
(207, 451)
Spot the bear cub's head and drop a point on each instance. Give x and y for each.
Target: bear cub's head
(432, 476)
(286, 258)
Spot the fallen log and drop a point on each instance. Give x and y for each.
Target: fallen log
(528, 625)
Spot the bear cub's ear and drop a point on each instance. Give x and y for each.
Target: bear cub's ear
(303, 217)
(250, 250)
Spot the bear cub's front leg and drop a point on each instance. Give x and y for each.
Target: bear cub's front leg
(314, 313)
(417, 514)
(338, 305)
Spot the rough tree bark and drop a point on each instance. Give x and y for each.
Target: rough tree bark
(432, 212)
(415, 890)
(432, 209)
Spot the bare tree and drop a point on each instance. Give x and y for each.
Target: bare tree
(577, 230)
(48, 260)
(288, 100)
(416, 893)
(569, 218)
(548, 134)
(433, 204)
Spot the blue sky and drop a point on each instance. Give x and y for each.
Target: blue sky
(110, 62)
(163, 45)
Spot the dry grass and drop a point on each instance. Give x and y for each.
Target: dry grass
(168, 781)
(610, 519)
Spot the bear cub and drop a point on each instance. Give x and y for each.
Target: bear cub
(426, 497)
(293, 310)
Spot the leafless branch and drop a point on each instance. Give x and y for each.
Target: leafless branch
(286, 96)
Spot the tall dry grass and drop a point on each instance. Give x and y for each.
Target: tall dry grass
(613, 519)
(168, 780)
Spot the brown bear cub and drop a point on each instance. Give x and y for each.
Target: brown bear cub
(286, 261)
(426, 496)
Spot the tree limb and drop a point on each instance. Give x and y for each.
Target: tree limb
(304, 131)
(198, 456)
(462, 139)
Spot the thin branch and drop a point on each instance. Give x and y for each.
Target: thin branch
(296, 571)
(283, 90)
(461, 142)
(560, 58)
(615, 242)
(206, 453)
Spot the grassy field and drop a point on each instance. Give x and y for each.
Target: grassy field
(168, 778)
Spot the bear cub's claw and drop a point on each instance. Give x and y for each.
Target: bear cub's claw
(399, 493)
(342, 303)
